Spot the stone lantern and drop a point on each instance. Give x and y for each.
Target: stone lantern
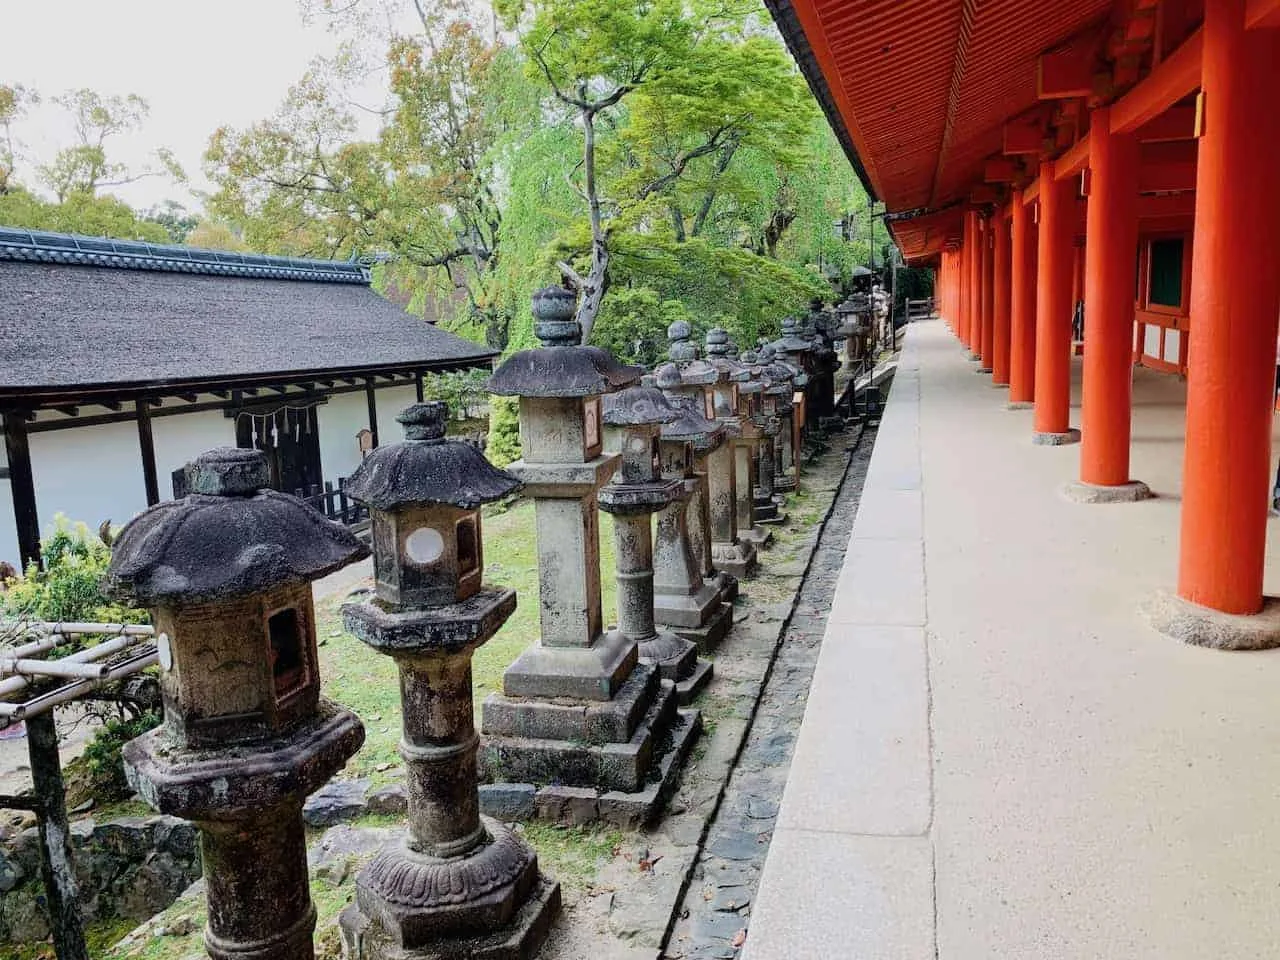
(454, 883)
(852, 330)
(788, 406)
(226, 573)
(637, 491)
(825, 363)
(733, 399)
(579, 715)
(729, 553)
(767, 424)
(685, 601)
(690, 379)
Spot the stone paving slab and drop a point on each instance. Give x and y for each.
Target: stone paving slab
(844, 896)
(876, 756)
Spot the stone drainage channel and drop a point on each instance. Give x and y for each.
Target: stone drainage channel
(714, 920)
(682, 889)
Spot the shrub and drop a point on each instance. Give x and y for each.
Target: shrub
(68, 586)
(504, 431)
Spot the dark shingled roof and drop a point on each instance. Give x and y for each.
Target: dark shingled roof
(77, 313)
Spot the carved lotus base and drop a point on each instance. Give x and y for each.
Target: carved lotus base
(412, 905)
(519, 939)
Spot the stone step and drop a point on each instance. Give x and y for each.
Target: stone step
(623, 767)
(589, 721)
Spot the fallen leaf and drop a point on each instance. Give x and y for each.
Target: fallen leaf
(739, 938)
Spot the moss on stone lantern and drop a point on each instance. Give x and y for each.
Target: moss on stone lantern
(455, 884)
(226, 572)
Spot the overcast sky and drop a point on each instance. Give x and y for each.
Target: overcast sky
(199, 65)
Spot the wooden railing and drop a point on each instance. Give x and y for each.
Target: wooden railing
(334, 502)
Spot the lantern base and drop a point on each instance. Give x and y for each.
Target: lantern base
(541, 752)
(737, 559)
(519, 939)
(574, 804)
(757, 536)
(231, 782)
(677, 660)
(705, 624)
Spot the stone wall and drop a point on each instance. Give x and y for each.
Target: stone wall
(132, 868)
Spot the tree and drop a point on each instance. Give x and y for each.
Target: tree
(425, 190)
(176, 220)
(665, 93)
(14, 101)
(84, 167)
(103, 216)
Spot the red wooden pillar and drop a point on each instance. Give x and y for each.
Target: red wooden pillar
(1022, 304)
(1053, 308)
(987, 295)
(1001, 297)
(1111, 250)
(1235, 301)
(973, 286)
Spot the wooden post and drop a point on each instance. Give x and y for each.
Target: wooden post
(1000, 302)
(56, 864)
(22, 487)
(148, 449)
(1235, 300)
(986, 294)
(373, 409)
(1110, 252)
(1022, 305)
(1053, 308)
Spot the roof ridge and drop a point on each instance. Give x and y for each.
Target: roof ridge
(39, 246)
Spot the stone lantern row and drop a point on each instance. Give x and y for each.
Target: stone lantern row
(589, 718)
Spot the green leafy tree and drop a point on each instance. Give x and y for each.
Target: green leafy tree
(14, 101)
(665, 94)
(85, 167)
(426, 190)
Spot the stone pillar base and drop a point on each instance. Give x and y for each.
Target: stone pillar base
(677, 660)
(1130, 492)
(758, 536)
(570, 804)
(1055, 439)
(725, 586)
(1020, 405)
(982, 370)
(735, 559)
(703, 625)
(623, 755)
(521, 937)
(1206, 627)
(977, 357)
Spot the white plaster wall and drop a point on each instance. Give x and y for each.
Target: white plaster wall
(181, 438)
(89, 474)
(347, 414)
(1151, 340)
(1171, 343)
(340, 420)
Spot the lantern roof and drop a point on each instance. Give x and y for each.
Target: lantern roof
(230, 537)
(427, 468)
(562, 366)
(638, 406)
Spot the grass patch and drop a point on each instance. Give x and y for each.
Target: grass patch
(573, 855)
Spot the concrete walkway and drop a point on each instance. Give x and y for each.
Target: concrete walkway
(999, 758)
